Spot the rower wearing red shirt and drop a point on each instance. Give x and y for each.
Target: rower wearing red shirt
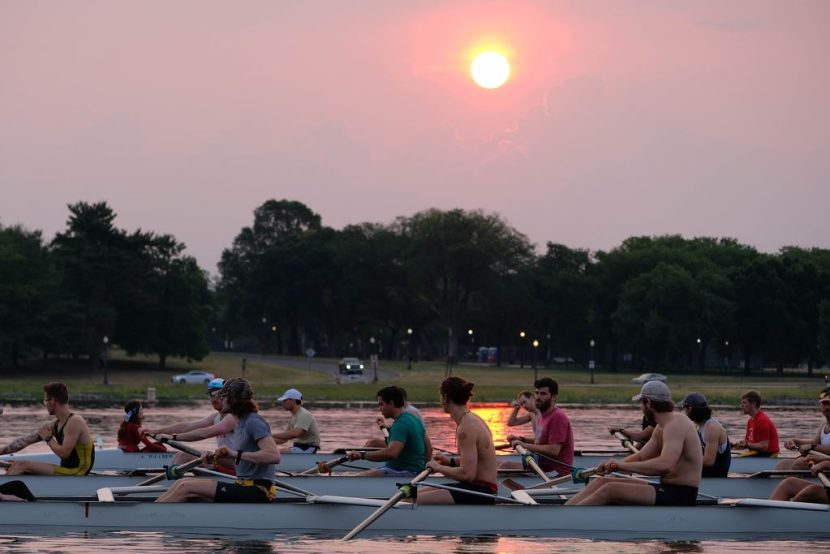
(761, 434)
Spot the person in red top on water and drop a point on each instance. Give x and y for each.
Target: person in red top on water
(554, 441)
(131, 435)
(761, 434)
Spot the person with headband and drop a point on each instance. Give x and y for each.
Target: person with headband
(131, 434)
(218, 424)
(254, 456)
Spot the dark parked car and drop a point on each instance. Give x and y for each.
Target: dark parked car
(351, 366)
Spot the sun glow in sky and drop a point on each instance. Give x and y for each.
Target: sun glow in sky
(490, 70)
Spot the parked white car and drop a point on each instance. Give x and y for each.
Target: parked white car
(646, 377)
(194, 377)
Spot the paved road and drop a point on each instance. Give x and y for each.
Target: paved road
(323, 365)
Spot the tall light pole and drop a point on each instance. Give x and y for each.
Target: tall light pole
(373, 357)
(591, 363)
(535, 344)
(700, 354)
(106, 341)
(726, 355)
(472, 342)
(265, 335)
(409, 348)
(521, 349)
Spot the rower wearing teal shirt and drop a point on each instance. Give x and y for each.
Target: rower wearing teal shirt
(409, 446)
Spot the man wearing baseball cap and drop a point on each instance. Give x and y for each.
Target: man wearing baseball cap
(302, 427)
(717, 452)
(673, 453)
(811, 449)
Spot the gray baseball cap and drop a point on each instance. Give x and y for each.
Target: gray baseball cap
(654, 390)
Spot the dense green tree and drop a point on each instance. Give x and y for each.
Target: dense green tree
(25, 274)
(455, 258)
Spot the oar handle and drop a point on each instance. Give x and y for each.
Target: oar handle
(171, 472)
(531, 462)
(325, 467)
(626, 442)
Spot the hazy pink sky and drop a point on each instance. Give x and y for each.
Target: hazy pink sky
(620, 118)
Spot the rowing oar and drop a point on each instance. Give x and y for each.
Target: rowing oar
(187, 449)
(172, 472)
(325, 467)
(531, 462)
(626, 442)
(403, 491)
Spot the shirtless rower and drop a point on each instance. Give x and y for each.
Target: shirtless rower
(816, 448)
(218, 424)
(68, 437)
(673, 453)
(475, 467)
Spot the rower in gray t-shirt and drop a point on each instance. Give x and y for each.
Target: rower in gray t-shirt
(249, 430)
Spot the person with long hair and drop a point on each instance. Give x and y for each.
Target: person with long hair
(254, 456)
(130, 433)
(717, 452)
(475, 468)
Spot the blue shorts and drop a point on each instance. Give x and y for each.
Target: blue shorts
(389, 472)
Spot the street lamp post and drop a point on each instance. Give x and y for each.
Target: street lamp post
(106, 341)
(547, 350)
(726, 355)
(472, 343)
(591, 363)
(521, 349)
(409, 348)
(700, 354)
(264, 335)
(373, 357)
(535, 344)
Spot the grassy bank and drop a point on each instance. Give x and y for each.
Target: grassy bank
(131, 377)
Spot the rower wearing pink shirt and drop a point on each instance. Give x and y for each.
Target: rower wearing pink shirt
(554, 440)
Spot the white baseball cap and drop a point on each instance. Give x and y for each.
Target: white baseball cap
(292, 394)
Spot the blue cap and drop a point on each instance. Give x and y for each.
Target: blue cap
(216, 384)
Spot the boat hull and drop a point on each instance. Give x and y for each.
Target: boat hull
(687, 523)
(344, 485)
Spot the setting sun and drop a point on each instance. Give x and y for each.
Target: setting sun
(490, 70)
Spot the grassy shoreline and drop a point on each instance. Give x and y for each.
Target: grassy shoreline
(131, 377)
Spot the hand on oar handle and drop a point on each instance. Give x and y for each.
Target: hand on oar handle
(608, 466)
(819, 467)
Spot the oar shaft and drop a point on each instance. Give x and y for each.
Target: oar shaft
(532, 463)
(626, 442)
(162, 476)
(387, 505)
(187, 449)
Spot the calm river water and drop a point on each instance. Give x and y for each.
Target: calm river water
(352, 426)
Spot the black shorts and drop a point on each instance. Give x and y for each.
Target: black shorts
(463, 498)
(675, 495)
(233, 492)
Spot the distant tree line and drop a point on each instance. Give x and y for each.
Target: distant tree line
(435, 284)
